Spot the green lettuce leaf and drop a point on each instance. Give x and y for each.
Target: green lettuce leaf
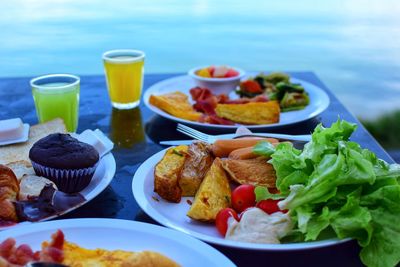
(335, 185)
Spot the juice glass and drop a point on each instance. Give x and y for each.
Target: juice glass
(124, 75)
(57, 96)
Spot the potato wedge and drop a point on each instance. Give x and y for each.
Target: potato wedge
(213, 195)
(166, 174)
(197, 163)
(250, 113)
(176, 104)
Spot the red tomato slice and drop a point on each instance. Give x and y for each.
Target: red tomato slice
(211, 70)
(221, 221)
(251, 86)
(243, 197)
(269, 206)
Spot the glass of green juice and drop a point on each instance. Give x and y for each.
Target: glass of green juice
(57, 96)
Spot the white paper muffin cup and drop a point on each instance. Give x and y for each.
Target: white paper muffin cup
(67, 180)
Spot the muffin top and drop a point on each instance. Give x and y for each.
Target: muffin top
(62, 151)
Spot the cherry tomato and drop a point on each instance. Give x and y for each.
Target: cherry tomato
(243, 197)
(221, 221)
(269, 206)
(251, 86)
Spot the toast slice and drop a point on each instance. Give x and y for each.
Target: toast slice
(166, 174)
(250, 113)
(20, 152)
(213, 195)
(176, 104)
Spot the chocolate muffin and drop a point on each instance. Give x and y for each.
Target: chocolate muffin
(69, 163)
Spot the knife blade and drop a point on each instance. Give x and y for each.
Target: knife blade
(176, 142)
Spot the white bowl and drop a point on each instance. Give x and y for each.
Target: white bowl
(217, 85)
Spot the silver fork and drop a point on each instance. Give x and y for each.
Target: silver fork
(212, 138)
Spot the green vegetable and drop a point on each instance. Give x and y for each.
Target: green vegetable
(262, 193)
(264, 148)
(335, 185)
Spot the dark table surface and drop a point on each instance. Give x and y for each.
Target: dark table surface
(136, 133)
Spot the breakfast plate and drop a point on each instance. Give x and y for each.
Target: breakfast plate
(113, 234)
(319, 101)
(101, 179)
(173, 215)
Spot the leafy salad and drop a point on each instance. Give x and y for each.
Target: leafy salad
(335, 186)
(276, 86)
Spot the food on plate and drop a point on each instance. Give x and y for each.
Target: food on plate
(243, 197)
(250, 171)
(69, 163)
(256, 226)
(198, 160)
(176, 104)
(276, 86)
(243, 153)
(250, 113)
(221, 221)
(59, 250)
(167, 171)
(222, 148)
(20, 152)
(217, 72)
(30, 186)
(9, 189)
(21, 168)
(213, 195)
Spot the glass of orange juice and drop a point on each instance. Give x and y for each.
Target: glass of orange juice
(124, 74)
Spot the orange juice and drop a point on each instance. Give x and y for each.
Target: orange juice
(124, 74)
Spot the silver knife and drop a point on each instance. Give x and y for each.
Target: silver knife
(176, 142)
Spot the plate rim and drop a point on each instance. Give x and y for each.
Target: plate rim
(155, 87)
(140, 197)
(120, 224)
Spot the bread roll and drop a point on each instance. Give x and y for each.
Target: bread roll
(31, 186)
(9, 189)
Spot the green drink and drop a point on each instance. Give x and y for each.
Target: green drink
(57, 96)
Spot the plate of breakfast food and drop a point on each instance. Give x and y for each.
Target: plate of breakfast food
(105, 242)
(256, 100)
(263, 194)
(52, 173)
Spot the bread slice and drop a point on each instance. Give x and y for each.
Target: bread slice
(20, 152)
(250, 113)
(21, 168)
(176, 104)
(251, 171)
(166, 174)
(213, 195)
(31, 186)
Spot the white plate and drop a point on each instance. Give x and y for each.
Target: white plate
(101, 179)
(173, 215)
(127, 235)
(319, 101)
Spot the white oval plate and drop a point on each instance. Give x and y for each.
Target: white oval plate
(101, 179)
(173, 215)
(319, 101)
(127, 235)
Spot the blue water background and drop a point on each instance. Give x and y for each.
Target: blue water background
(353, 46)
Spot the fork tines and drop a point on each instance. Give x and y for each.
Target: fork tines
(192, 132)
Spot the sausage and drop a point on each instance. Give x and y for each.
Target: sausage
(222, 148)
(243, 153)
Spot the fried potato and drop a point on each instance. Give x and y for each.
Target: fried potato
(213, 195)
(176, 104)
(250, 113)
(166, 174)
(250, 171)
(197, 163)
